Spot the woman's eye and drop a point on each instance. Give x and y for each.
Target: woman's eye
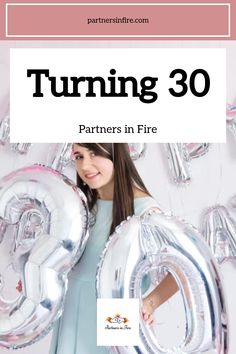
(77, 157)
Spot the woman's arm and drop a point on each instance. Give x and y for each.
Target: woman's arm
(167, 288)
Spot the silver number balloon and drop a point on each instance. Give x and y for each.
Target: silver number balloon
(158, 241)
(47, 216)
(137, 150)
(21, 148)
(62, 157)
(4, 130)
(231, 118)
(179, 155)
(195, 150)
(178, 163)
(219, 230)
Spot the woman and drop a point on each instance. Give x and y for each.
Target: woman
(114, 189)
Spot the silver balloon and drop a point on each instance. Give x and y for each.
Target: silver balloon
(137, 150)
(4, 130)
(231, 118)
(179, 155)
(2, 229)
(195, 150)
(219, 230)
(178, 162)
(47, 217)
(62, 157)
(21, 148)
(158, 241)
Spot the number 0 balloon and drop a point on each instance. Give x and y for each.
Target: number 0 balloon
(154, 242)
(46, 218)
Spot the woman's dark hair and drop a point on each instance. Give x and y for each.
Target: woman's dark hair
(125, 178)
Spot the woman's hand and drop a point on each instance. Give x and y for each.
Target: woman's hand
(147, 311)
(158, 296)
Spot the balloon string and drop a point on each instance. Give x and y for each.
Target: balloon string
(220, 174)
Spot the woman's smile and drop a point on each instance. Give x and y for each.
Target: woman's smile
(91, 175)
(95, 170)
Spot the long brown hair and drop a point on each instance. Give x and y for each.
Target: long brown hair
(126, 177)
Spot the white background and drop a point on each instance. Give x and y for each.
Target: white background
(213, 179)
(56, 119)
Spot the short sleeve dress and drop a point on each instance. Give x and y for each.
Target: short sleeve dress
(75, 331)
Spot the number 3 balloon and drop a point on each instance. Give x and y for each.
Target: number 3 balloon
(47, 216)
(158, 241)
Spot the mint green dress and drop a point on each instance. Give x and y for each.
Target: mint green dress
(75, 331)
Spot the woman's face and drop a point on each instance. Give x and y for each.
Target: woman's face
(96, 171)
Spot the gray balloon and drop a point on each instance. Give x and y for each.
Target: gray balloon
(219, 230)
(137, 150)
(49, 218)
(61, 157)
(158, 241)
(4, 130)
(231, 118)
(179, 155)
(195, 150)
(178, 162)
(21, 148)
